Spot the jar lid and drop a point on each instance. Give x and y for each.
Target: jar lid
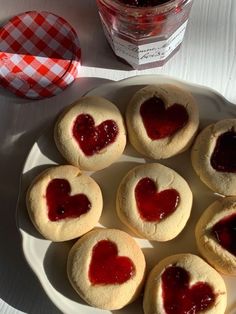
(39, 55)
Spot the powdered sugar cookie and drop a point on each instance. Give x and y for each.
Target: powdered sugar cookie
(63, 203)
(106, 267)
(162, 120)
(216, 235)
(184, 283)
(214, 156)
(91, 133)
(154, 201)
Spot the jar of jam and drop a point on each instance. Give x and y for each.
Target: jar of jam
(144, 33)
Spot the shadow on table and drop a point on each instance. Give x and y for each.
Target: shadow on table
(54, 265)
(21, 122)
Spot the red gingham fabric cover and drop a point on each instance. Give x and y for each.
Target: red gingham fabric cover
(39, 55)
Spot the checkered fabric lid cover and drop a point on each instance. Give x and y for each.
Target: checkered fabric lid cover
(39, 55)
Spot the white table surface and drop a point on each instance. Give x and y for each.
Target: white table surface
(207, 57)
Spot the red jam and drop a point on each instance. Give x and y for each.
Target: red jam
(106, 267)
(225, 233)
(223, 158)
(92, 139)
(143, 3)
(153, 205)
(61, 204)
(144, 33)
(180, 298)
(161, 122)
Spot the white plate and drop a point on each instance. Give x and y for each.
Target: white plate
(48, 260)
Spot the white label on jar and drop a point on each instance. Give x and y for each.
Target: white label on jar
(147, 53)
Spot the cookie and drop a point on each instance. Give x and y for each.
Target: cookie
(64, 203)
(214, 156)
(184, 283)
(216, 235)
(91, 133)
(154, 201)
(162, 120)
(106, 267)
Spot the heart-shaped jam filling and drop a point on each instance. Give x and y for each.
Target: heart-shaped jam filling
(161, 122)
(153, 205)
(92, 139)
(179, 297)
(224, 155)
(106, 267)
(225, 233)
(61, 204)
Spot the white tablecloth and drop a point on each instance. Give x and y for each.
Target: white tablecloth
(207, 57)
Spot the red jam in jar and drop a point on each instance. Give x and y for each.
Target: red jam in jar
(143, 3)
(144, 33)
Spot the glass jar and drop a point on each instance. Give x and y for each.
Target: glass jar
(144, 37)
